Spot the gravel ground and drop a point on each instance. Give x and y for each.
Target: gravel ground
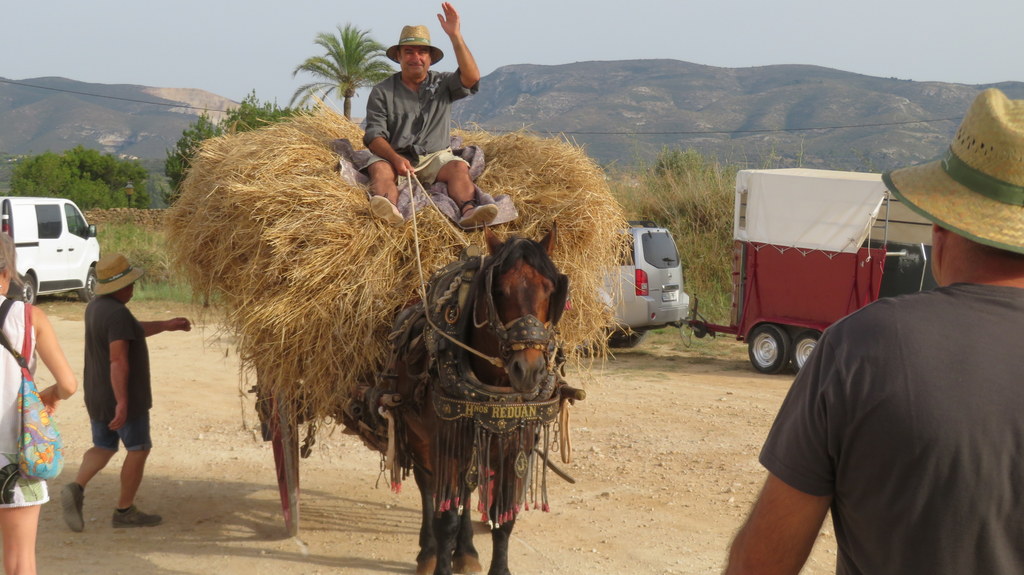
(665, 463)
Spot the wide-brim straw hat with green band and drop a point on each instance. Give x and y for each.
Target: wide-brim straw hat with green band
(415, 36)
(977, 190)
(113, 272)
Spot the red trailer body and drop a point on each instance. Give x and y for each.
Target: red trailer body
(824, 267)
(809, 290)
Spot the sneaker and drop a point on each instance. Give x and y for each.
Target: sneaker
(382, 208)
(479, 216)
(71, 497)
(135, 518)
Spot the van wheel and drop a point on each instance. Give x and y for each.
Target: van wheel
(768, 347)
(30, 289)
(89, 291)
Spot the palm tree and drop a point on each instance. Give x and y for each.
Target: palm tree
(353, 60)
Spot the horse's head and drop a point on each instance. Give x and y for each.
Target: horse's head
(525, 297)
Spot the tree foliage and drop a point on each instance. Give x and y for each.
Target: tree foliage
(249, 115)
(83, 175)
(180, 158)
(353, 60)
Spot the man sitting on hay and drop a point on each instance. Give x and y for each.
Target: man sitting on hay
(408, 120)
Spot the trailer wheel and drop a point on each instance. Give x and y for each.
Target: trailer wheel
(803, 345)
(768, 346)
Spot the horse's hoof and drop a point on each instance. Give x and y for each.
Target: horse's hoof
(466, 564)
(426, 566)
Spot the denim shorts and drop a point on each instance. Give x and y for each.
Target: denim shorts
(134, 434)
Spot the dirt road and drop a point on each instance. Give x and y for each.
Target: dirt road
(665, 462)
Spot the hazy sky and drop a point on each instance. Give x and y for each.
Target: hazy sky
(232, 47)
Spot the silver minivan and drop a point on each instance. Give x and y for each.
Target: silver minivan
(650, 292)
(57, 249)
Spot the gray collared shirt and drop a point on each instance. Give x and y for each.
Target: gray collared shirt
(414, 123)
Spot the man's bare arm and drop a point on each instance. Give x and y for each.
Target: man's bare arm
(120, 370)
(154, 327)
(780, 531)
(382, 148)
(469, 73)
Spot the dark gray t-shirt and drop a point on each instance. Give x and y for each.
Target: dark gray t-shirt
(910, 413)
(108, 320)
(414, 123)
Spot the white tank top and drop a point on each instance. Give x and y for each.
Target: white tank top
(10, 410)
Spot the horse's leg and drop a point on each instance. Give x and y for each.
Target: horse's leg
(446, 528)
(466, 559)
(426, 559)
(506, 491)
(499, 553)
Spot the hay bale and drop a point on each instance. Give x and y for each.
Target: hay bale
(310, 282)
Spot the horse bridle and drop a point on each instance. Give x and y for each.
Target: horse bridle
(528, 331)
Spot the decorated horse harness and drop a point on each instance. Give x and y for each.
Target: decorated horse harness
(479, 423)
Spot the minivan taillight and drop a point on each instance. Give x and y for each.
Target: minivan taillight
(641, 283)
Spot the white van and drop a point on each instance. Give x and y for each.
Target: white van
(57, 248)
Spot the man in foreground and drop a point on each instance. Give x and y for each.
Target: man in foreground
(118, 396)
(408, 123)
(906, 420)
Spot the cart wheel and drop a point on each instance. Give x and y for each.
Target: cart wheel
(285, 441)
(768, 347)
(803, 345)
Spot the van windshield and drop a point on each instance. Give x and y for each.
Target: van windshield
(660, 250)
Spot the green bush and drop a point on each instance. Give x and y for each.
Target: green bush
(145, 248)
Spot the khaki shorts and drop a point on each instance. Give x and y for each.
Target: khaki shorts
(427, 167)
(431, 164)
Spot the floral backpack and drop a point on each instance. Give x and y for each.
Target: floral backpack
(41, 450)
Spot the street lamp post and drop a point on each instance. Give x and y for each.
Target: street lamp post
(129, 189)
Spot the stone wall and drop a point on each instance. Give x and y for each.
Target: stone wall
(152, 219)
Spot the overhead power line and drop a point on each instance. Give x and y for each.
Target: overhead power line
(760, 131)
(571, 133)
(134, 100)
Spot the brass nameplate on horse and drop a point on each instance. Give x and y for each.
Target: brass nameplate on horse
(497, 416)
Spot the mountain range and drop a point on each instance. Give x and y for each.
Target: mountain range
(56, 114)
(622, 112)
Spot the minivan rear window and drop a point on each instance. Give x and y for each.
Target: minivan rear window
(660, 250)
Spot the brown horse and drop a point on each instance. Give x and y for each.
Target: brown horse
(471, 391)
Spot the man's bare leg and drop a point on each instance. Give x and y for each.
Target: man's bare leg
(462, 191)
(384, 203)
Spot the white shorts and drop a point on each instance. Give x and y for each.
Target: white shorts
(26, 491)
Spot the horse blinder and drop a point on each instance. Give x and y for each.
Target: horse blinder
(556, 305)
